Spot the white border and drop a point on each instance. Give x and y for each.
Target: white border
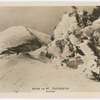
(48, 0)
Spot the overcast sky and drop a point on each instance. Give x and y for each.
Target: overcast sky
(39, 18)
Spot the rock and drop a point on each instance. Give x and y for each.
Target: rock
(56, 47)
(74, 63)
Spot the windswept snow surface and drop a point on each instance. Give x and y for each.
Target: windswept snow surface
(21, 74)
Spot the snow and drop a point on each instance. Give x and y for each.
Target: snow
(12, 34)
(62, 27)
(66, 52)
(89, 64)
(43, 37)
(97, 21)
(37, 53)
(23, 72)
(72, 28)
(17, 35)
(73, 39)
(89, 30)
(53, 48)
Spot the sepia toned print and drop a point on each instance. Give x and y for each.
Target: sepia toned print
(50, 50)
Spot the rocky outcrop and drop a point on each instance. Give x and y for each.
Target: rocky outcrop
(75, 46)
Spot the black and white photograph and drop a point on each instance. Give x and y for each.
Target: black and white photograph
(49, 49)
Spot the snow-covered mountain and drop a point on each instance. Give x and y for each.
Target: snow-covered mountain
(70, 60)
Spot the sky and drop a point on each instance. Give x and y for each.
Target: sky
(42, 19)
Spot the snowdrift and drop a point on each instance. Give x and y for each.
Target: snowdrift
(18, 39)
